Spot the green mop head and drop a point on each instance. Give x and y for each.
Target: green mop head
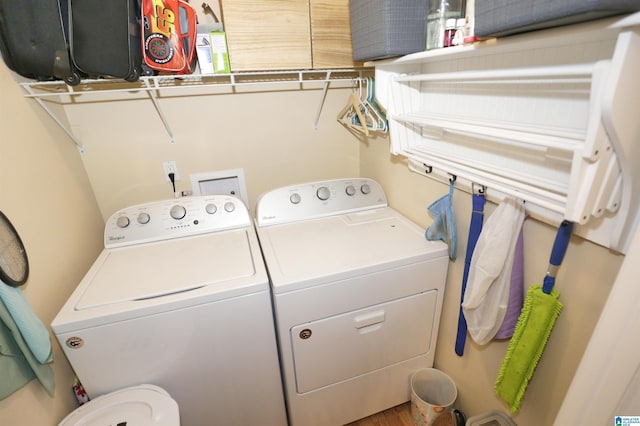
(532, 331)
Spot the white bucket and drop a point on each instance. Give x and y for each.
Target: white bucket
(432, 393)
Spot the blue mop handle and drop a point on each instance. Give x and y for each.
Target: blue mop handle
(475, 228)
(557, 254)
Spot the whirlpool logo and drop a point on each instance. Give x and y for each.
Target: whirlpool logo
(116, 237)
(74, 342)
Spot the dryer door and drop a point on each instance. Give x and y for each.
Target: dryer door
(337, 348)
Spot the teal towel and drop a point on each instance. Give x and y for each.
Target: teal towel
(18, 366)
(444, 224)
(35, 334)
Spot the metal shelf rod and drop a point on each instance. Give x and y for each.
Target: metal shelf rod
(153, 84)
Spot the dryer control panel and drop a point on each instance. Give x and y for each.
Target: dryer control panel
(319, 199)
(174, 218)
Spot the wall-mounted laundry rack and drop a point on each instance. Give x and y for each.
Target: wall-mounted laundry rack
(155, 88)
(547, 117)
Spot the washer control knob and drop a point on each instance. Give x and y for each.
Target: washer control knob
(211, 208)
(295, 198)
(122, 222)
(229, 206)
(365, 189)
(323, 193)
(350, 190)
(144, 218)
(178, 212)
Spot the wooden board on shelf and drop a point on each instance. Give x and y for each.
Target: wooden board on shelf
(331, 34)
(267, 35)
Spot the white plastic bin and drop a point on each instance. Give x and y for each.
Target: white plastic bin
(432, 394)
(492, 418)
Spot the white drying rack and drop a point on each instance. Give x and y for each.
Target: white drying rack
(550, 117)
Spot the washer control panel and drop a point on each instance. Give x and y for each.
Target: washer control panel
(174, 218)
(318, 199)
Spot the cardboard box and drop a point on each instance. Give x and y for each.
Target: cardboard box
(219, 52)
(203, 46)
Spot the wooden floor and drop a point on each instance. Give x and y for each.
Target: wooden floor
(396, 416)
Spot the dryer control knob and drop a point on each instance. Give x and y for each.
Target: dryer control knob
(211, 208)
(350, 190)
(365, 189)
(229, 206)
(323, 193)
(295, 198)
(122, 222)
(178, 212)
(144, 218)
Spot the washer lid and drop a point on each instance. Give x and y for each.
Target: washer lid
(144, 405)
(162, 268)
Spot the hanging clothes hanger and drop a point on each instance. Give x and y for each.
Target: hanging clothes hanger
(379, 117)
(361, 114)
(371, 115)
(363, 119)
(352, 116)
(352, 111)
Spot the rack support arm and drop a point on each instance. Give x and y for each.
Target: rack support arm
(156, 104)
(322, 98)
(55, 118)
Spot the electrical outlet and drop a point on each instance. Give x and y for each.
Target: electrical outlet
(170, 167)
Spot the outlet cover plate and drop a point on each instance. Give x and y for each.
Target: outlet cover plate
(227, 182)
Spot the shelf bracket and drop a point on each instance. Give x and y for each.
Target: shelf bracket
(322, 98)
(156, 104)
(55, 118)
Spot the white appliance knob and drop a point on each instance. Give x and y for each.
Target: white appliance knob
(144, 218)
(229, 206)
(295, 198)
(323, 193)
(211, 208)
(351, 190)
(178, 212)
(122, 222)
(365, 189)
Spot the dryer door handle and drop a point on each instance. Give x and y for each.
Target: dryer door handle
(369, 319)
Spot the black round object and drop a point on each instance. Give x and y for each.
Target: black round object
(14, 265)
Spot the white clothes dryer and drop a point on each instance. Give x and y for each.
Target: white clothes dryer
(179, 298)
(357, 293)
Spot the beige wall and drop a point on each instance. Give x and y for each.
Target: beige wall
(271, 135)
(584, 281)
(45, 192)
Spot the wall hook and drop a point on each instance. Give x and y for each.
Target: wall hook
(427, 169)
(452, 178)
(480, 188)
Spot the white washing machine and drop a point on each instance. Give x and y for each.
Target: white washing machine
(357, 292)
(179, 298)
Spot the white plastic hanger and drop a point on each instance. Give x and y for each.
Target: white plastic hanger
(362, 114)
(352, 110)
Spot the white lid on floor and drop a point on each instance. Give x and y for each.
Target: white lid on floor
(144, 405)
(492, 418)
